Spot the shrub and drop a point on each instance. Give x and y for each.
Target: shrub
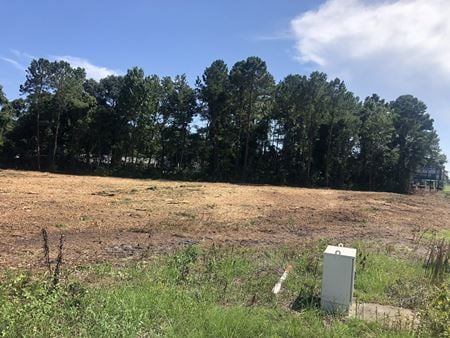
(435, 317)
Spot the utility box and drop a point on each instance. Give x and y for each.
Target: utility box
(338, 278)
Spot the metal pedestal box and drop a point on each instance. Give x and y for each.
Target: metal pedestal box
(338, 278)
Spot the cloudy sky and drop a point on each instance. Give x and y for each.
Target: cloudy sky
(389, 47)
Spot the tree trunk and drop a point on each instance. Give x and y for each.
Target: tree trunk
(309, 150)
(215, 147)
(327, 158)
(183, 146)
(238, 150)
(247, 137)
(55, 144)
(38, 146)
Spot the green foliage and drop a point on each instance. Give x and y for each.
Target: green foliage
(299, 110)
(416, 139)
(30, 307)
(252, 87)
(5, 117)
(214, 94)
(178, 108)
(435, 317)
(376, 135)
(236, 125)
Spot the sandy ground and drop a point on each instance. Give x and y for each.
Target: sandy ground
(106, 219)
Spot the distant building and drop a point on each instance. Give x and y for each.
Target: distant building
(430, 178)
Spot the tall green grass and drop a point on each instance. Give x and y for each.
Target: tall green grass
(200, 292)
(391, 280)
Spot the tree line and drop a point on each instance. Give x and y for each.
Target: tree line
(234, 125)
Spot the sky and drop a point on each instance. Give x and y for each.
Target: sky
(388, 47)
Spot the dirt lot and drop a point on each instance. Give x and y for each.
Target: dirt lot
(109, 219)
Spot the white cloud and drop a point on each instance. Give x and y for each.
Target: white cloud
(13, 62)
(21, 55)
(92, 71)
(388, 47)
(418, 30)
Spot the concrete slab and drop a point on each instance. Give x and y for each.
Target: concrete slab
(386, 314)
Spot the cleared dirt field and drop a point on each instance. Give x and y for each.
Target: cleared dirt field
(109, 219)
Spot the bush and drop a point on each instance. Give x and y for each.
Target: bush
(435, 317)
(31, 307)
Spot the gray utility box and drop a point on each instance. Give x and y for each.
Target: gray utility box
(338, 278)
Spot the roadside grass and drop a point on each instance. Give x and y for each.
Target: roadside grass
(217, 291)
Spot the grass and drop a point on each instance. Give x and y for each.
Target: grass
(443, 234)
(391, 280)
(204, 292)
(446, 190)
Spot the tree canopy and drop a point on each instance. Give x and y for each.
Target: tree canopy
(236, 124)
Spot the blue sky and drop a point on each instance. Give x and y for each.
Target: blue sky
(163, 37)
(389, 47)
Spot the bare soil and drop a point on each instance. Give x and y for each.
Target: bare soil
(109, 219)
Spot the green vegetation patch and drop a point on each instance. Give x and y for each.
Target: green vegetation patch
(390, 280)
(443, 234)
(446, 191)
(220, 291)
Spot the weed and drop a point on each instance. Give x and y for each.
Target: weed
(182, 262)
(362, 260)
(46, 250)
(437, 259)
(56, 272)
(435, 316)
(34, 307)
(407, 293)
